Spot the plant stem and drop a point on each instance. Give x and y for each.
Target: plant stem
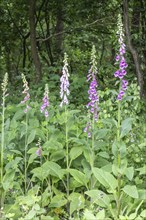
(2, 150)
(119, 159)
(67, 151)
(25, 156)
(92, 149)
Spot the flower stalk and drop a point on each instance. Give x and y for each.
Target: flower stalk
(4, 95)
(27, 107)
(92, 106)
(64, 93)
(120, 73)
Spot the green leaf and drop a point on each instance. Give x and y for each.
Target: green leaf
(126, 126)
(41, 173)
(129, 173)
(101, 215)
(16, 152)
(131, 191)
(142, 194)
(132, 216)
(31, 137)
(30, 215)
(8, 180)
(58, 201)
(75, 152)
(54, 169)
(77, 202)
(60, 154)
(19, 114)
(79, 176)
(119, 147)
(101, 133)
(105, 178)
(89, 216)
(32, 158)
(143, 213)
(99, 197)
(142, 170)
(103, 154)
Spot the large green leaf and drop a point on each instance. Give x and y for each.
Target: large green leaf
(58, 201)
(75, 152)
(119, 147)
(54, 169)
(19, 114)
(105, 178)
(126, 126)
(101, 215)
(131, 191)
(79, 177)
(77, 202)
(41, 173)
(99, 197)
(31, 137)
(8, 180)
(88, 215)
(129, 173)
(58, 155)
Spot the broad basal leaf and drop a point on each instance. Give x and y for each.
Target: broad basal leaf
(131, 191)
(105, 178)
(79, 176)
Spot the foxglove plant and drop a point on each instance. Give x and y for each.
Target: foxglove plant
(26, 92)
(93, 96)
(25, 101)
(64, 93)
(92, 107)
(39, 150)
(121, 72)
(46, 103)
(4, 95)
(64, 87)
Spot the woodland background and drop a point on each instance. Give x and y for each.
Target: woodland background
(35, 34)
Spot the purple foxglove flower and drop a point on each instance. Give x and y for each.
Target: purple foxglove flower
(64, 87)
(93, 96)
(39, 150)
(121, 72)
(46, 103)
(26, 92)
(117, 58)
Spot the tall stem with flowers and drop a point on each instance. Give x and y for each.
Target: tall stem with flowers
(120, 73)
(64, 93)
(44, 107)
(92, 105)
(27, 107)
(4, 95)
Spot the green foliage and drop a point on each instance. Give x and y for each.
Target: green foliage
(46, 197)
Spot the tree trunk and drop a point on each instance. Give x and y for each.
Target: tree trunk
(34, 51)
(59, 29)
(133, 50)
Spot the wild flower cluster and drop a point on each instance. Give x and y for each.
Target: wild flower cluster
(121, 72)
(93, 96)
(46, 103)
(26, 92)
(39, 150)
(4, 86)
(64, 87)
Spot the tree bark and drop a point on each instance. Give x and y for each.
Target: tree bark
(34, 51)
(133, 51)
(59, 29)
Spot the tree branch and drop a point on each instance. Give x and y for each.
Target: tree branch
(133, 50)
